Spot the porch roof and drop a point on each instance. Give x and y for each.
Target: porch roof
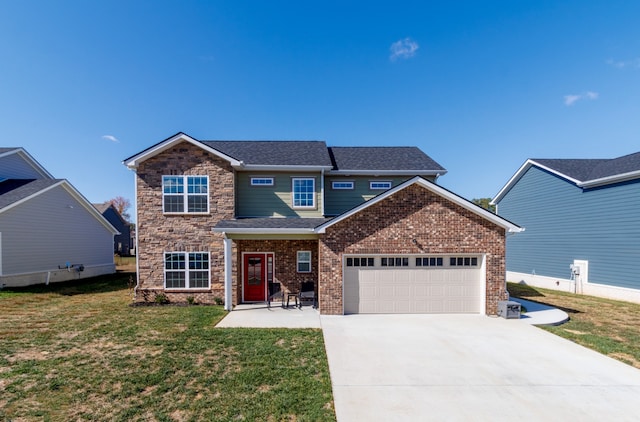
(269, 225)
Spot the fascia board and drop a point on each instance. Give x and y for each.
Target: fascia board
(526, 166)
(88, 206)
(257, 167)
(261, 231)
(610, 179)
(135, 160)
(76, 195)
(496, 219)
(375, 173)
(30, 160)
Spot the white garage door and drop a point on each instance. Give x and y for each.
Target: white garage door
(394, 284)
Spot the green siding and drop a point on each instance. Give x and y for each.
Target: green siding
(338, 201)
(273, 201)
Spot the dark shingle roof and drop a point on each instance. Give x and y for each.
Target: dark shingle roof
(14, 190)
(5, 149)
(382, 158)
(591, 169)
(275, 153)
(271, 223)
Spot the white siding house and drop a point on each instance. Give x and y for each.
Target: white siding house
(48, 231)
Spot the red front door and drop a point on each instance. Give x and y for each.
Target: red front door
(254, 283)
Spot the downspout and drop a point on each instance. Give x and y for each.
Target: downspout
(322, 191)
(227, 273)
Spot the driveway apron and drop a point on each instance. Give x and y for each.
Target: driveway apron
(470, 367)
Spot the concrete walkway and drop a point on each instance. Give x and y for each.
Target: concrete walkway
(539, 314)
(470, 367)
(260, 316)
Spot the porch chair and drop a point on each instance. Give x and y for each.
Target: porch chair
(307, 293)
(275, 291)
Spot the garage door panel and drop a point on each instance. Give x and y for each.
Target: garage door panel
(412, 290)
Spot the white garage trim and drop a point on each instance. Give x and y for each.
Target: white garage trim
(410, 283)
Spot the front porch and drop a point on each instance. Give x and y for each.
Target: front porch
(258, 315)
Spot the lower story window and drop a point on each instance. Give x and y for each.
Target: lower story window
(304, 261)
(186, 270)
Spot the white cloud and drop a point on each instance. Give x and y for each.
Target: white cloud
(622, 64)
(403, 49)
(570, 99)
(110, 138)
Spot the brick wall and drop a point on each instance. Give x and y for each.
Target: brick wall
(159, 233)
(285, 258)
(390, 226)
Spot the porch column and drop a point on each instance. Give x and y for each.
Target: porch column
(228, 271)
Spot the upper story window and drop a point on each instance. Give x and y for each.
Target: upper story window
(185, 194)
(338, 185)
(379, 185)
(262, 181)
(304, 192)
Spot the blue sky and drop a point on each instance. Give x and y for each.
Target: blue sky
(480, 86)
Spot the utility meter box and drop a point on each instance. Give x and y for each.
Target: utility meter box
(509, 309)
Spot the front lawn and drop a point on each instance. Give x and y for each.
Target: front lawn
(610, 327)
(78, 351)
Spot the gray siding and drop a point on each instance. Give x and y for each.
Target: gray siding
(13, 166)
(273, 201)
(564, 223)
(340, 200)
(50, 230)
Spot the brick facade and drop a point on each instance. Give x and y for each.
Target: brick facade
(285, 259)
(159, 233)
(411, 221)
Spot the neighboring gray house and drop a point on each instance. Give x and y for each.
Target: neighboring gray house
(583, 225)
(122, 243)
(48, 231)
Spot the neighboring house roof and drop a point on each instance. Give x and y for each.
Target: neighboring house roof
(103, 207)
(5, 151)
(305, 155)
(14, 192)
(319, 225)
(396, 160)
(584, 173)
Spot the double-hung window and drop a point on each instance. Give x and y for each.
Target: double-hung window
(186, 270)
(304, 192)
(304, 261)
(185, 194)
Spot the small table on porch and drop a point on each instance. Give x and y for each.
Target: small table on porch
(294, 296)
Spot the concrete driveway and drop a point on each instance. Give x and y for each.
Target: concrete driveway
(470, 367)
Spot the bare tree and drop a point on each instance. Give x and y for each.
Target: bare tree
(121, 204)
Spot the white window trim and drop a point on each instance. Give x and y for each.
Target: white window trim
(350, 182)
(270, 179)
(373, 182)
(298, 261)
(186, 271)
(185, 194)
(293, 199)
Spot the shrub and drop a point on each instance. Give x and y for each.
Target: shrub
(191, 300)
(218, 300)
(161, 298)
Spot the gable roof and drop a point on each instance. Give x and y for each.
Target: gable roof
(385, 160)
(305, 155)
(438, 190)
(275, 153)
(14, 192)
(22, 153)
(584, 173)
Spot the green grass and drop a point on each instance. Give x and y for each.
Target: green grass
(78, 351)
(608, 326)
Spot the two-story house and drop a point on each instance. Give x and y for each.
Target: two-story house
(49, 232)
(367, 225)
